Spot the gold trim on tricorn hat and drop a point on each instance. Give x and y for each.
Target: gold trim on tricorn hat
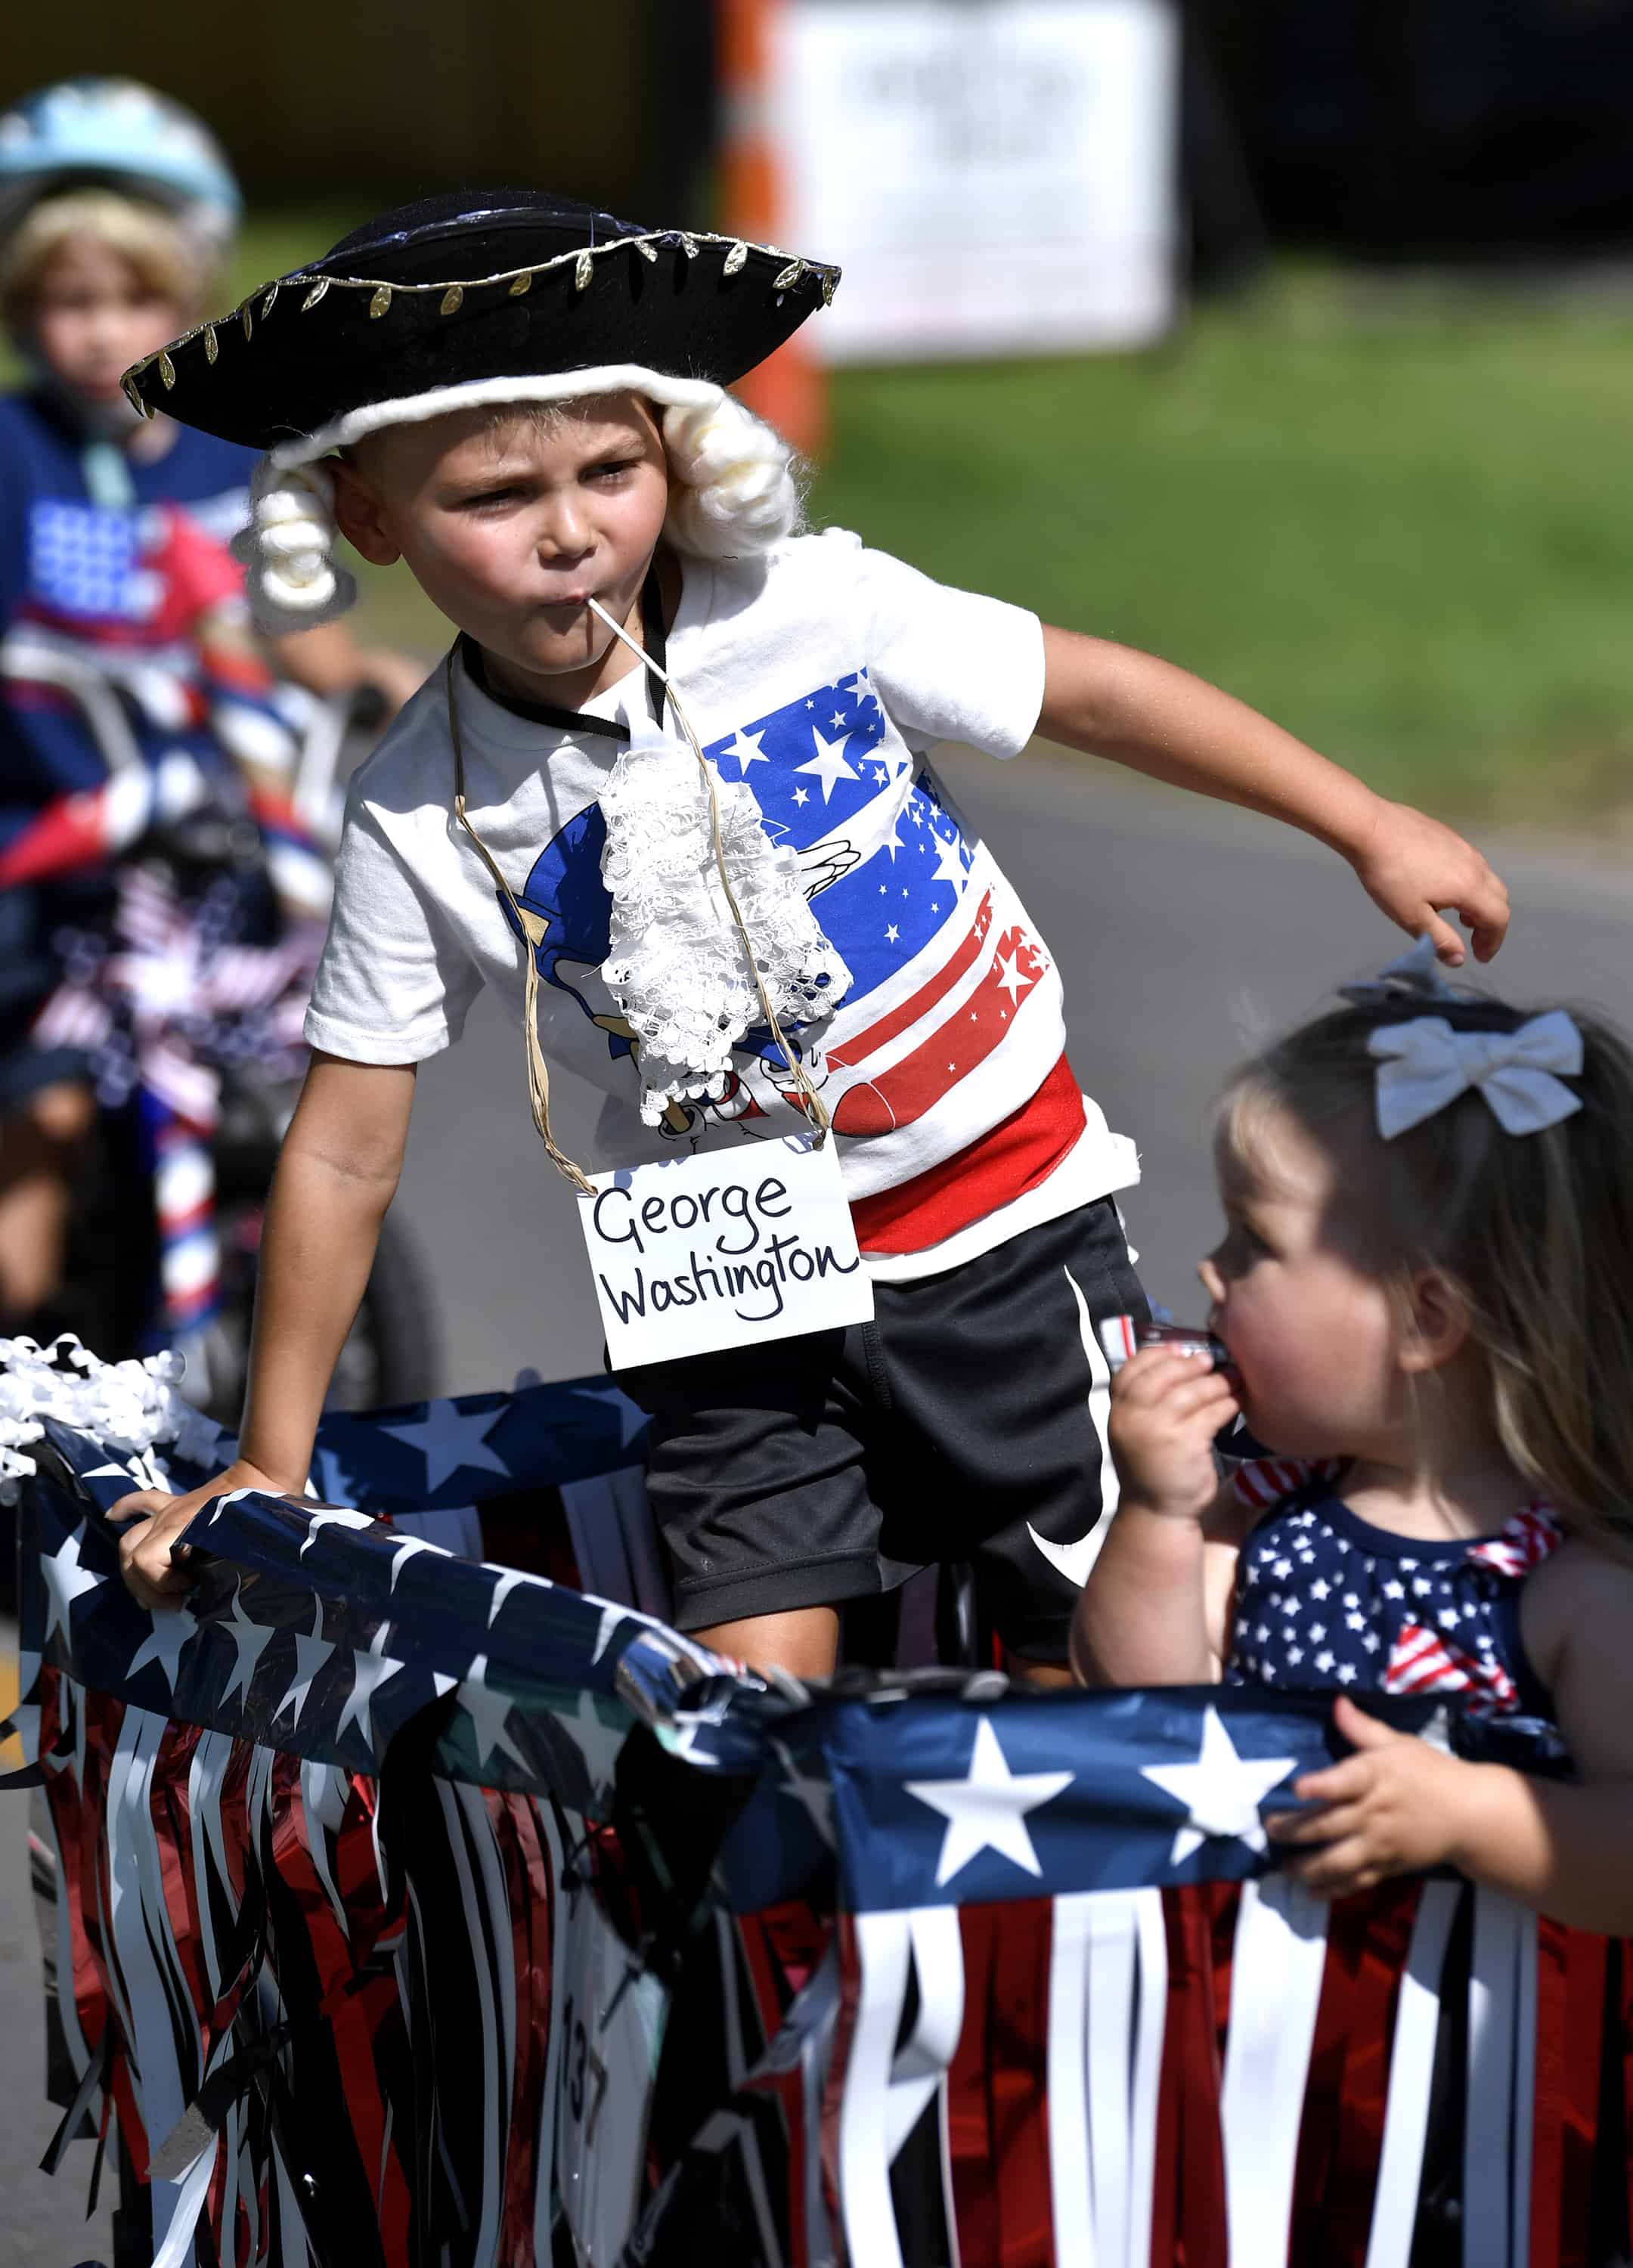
(462, 302)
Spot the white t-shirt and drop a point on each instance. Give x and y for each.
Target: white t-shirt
(819, 673)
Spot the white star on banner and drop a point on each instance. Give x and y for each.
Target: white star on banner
(510, 1579)
(612, 1620)
(746, 749)
(174, 1631)
(333, 1517)
(219, 1505)
(1221, 1791)
(986, 1811)
(828, 763)
(894, 842)
(311, 1651)
(369, 1672)
(452, 1440)
(596, 1740)
(66, 1580)
(489, 1713)
(407, 1546)
(857, 686)
(815, 1797)
(250, 1639)
(631, 1418)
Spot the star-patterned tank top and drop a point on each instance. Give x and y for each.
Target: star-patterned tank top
(1323, 1598)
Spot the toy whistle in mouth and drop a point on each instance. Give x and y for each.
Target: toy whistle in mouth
(1123, 1338)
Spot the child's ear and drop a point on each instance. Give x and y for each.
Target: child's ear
(1438, 1321)
(360, 517)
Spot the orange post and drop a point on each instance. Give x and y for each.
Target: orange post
(789, 390)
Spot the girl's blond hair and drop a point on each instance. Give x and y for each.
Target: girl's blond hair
(1535, 1230)
(163, 255)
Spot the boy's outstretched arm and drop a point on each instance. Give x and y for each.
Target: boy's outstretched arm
(336, 1175)
(1114, 701)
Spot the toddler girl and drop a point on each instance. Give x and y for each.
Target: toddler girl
(1426, 1290)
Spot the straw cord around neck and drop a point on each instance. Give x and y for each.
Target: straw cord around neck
(817, 1107)
(532, 925)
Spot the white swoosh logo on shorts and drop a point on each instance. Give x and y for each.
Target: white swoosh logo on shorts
(1074, 1560)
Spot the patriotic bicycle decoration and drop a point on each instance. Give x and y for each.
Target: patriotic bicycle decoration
(407, 1906)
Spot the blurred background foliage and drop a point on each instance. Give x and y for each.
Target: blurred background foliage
(1376, 488)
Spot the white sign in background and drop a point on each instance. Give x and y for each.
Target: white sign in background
(994, 176)
(729, 1248)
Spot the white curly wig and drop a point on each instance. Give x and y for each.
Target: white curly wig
(733, 482)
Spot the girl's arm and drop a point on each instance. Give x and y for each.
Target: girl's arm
(1155, 1609)
(1399, 1805)
(1112, 701)
(336, 1173)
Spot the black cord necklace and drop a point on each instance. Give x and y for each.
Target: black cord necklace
(579, 722)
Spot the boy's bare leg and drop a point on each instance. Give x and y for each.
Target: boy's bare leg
(805, 1642)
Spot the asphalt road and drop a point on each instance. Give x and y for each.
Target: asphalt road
(1185, 934)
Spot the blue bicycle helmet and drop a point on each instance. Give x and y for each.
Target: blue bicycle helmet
(117, 134)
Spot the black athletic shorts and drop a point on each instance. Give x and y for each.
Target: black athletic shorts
(965, 1422)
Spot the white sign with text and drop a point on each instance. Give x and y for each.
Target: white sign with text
(729, 1248)
(995, 177)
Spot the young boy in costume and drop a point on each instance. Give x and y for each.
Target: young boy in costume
(117, 209)
(526, 401)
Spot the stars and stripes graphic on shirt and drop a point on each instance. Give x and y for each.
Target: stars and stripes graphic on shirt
(984, 1976)
(938, 970)
(942, 961)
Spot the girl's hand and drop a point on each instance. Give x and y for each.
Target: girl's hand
(1396, 1807)
(1410, 865)
(151, 1575)
(1166, 1410)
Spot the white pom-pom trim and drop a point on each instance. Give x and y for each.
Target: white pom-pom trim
(131, 1408)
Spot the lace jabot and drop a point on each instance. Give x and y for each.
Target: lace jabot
(677, 967)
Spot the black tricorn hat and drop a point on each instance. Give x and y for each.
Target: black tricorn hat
(485, 296)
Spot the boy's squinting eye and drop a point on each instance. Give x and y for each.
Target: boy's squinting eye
(611, 467)
(480, 498)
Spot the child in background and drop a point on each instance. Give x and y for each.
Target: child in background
(117, 209)
(1426, 1291)
(524, 399)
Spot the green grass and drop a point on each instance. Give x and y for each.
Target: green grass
(1393, 517)
(1402, 529)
